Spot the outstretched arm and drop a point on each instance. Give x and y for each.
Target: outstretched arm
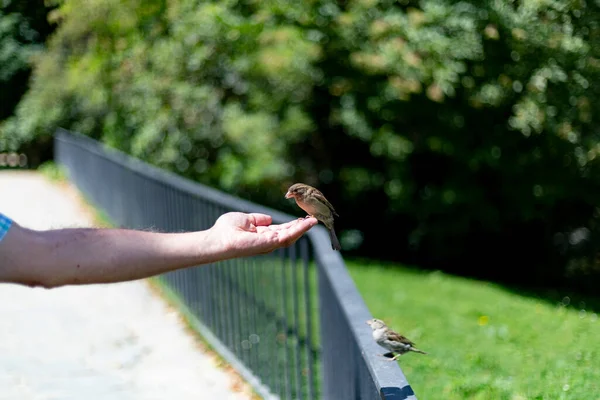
(87, 255)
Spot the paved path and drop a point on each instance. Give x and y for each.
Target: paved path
(114, 342)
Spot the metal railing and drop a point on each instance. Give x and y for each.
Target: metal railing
(292, 322)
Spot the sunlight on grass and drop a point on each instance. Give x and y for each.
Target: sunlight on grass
(484, 342)
(53, 171)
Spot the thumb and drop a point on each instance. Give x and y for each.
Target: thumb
(258, 219)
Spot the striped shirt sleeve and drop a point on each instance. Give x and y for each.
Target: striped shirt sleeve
(5, 224)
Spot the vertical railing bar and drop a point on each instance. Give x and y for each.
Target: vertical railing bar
(296, 312)
(273, 327)
(185, 225)
(217, 270)
(206, 270)
(255, 365)
(324, 324)
(235, 305)
(194, 272)
(225, 305)
(224, 300)
(169, 227)
(288, 379)
(214, 300)
(309, 316)
(243, 328)
(280, 329)
(233, 310)
(200, 277)
(261, 264)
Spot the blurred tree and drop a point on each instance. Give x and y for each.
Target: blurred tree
(23, 31)
(466, 129)
(482, 115)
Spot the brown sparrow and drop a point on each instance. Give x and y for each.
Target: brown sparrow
(390, 340)
(316, 205)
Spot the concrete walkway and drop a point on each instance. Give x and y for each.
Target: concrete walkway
(114, 342)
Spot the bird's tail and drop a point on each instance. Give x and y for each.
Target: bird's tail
(417, 350)
(335, 243)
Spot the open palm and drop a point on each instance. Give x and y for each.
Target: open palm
(251, 234)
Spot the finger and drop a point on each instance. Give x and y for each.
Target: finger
(293, 233)
(286, 225)
(311, 221)
(260, 219)
(277, 227)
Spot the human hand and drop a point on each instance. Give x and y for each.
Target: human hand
(243, 235)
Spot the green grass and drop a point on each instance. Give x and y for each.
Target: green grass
(485, 342)
(53, 171)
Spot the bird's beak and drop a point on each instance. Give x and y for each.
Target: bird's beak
(289, 195)
(368, 322)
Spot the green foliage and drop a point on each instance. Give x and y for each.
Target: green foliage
(483, 120)
(13, 56)
(23, 29)
(53, 171)
(468, 128)
(484, 342)
(185, 85)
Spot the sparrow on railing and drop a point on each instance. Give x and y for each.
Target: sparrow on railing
(390, 340)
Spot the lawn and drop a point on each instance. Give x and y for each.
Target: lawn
(485, 342)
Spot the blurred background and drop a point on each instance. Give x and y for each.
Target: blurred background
(459, 137)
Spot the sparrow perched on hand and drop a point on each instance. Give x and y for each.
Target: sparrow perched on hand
(390, 340)
(316, 205)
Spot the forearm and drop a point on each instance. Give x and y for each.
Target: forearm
(83, 256)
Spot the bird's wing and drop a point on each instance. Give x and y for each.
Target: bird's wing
(399, 338)
(319, 196)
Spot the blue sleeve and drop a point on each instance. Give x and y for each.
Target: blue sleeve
(5, 224)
